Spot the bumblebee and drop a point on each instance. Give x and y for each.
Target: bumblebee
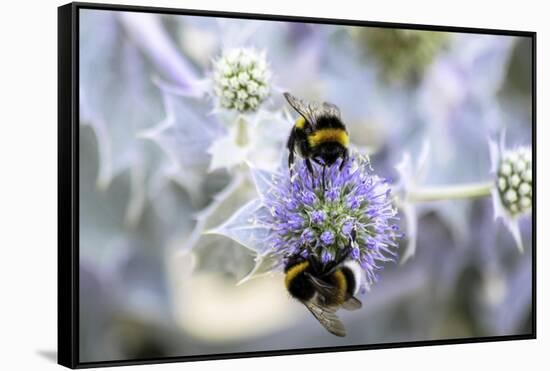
(318, 135)
(324, 288)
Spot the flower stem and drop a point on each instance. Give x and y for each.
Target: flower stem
(242, 132)
(453, 192)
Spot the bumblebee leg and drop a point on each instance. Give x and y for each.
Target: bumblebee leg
(331, 267)
(316, 266)
(310, 169)
(290, 145)
(290, 161)
(344, 159)
(349, 246)
(353, 235)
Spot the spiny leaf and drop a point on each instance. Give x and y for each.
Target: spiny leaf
(115, 81)
(263, 264)
(245, 226)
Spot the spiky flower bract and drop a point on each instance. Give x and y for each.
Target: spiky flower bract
(241, 79)
(513, 188)
(306, 218)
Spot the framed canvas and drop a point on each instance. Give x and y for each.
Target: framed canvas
(243, 185)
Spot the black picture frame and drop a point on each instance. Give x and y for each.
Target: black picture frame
(68, 182)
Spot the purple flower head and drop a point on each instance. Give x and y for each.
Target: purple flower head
(332, 194)
(353, 202)
(295, 221)
(292, 204)
(347, 227)
(326, 256)
(318, 216)
(308, 236)
(321, 222)
(308, 198)
(327, 238)
(355, 253)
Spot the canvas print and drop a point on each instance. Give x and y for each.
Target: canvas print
(264, 185)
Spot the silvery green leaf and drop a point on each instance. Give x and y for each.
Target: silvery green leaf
(264, 180)
(172, 209)
(226, 153)
(102, 211)
(224, 204)
(410, 173)
(184, 135)
(144, 167)
(453, 213)
(216, 252)
(128, 262)
(268, 132)
(186, 131)
(222, 255)
(256, 138)
(115, 81)
(245, 226)
(147, 32)
(106, 239)
(193, 181)
(263, 264)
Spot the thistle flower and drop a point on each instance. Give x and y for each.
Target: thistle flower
(513, 185)
(304, 219)
(514, 180)
(241, 79)
(293, 216)
(511, 189)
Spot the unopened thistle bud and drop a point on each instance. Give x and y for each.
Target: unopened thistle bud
(514, 180)
(241, 79)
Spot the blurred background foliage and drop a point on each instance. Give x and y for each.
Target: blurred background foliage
(153, 285)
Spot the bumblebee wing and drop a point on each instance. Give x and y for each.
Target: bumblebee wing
(331, 110)
(323, 288)
(326, 290)
(311, 111)
(327, 317)
(301, 107)
(352, 303)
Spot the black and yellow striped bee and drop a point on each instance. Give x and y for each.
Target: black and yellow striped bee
(318, 135)
(324, 288)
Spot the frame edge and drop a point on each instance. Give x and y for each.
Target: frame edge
(297, 18)
(68, 262)
(67, 321)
